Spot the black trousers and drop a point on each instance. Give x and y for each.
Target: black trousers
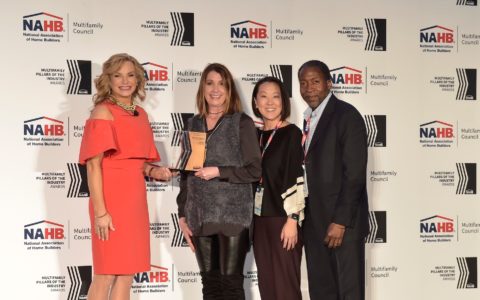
(334, 274)
(221, 259)
(278, 269)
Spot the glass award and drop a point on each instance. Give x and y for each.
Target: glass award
(187, 150)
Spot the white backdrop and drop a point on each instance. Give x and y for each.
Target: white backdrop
(409, 66)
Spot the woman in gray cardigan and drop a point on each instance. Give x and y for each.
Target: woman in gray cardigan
(215, 203)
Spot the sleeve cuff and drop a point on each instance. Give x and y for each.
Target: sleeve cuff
(224, 173)
(181, 213)
(342, 221)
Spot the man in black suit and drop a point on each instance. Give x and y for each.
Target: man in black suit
(336, 214)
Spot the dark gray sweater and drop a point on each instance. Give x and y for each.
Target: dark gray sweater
(223, 204)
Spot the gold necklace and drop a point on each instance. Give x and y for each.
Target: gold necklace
(130, 108)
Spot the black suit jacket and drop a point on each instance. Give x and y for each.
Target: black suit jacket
(336, 166)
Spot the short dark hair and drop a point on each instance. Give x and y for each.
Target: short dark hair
(283, 94)
(319, 65)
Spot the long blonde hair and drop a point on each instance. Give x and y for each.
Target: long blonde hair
(112, 65)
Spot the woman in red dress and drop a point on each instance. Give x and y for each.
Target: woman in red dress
(117, 147)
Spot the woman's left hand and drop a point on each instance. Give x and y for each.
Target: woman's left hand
(161, 173)
(208, 173)
(289, 235)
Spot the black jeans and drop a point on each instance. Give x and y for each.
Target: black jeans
(221, 259)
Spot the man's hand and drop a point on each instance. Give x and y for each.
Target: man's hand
(334, 236)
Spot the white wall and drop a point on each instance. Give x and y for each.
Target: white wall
(410, 86)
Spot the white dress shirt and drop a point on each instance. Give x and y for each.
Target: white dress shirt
(314, 118)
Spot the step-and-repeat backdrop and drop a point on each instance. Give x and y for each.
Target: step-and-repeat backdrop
(410, 67)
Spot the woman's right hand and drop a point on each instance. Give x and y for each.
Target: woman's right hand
(289, 235)
(187, 233)
(102, 226)
(161, 173)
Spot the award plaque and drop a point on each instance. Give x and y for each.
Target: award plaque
(188, 152)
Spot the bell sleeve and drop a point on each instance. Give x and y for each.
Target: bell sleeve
(153, 155)
(98, 137)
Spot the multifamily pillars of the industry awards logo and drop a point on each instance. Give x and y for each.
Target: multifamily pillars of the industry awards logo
(376, 130)
(183, 29)
(378, 227)
(80, 278)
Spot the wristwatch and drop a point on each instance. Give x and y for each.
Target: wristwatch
(296, 217)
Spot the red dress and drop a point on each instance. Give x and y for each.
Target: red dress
(127, 143)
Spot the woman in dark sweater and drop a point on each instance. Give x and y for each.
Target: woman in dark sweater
(215, 204)
(279, 197)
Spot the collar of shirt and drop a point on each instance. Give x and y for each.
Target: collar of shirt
(316, 114)
(314, 118)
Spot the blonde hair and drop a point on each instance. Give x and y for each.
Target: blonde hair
(232, 101)
(112, 65)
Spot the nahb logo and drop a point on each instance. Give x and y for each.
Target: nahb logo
(436, 35)
(467, 179)
(347, 80)
(80, 280)
(43, 235)
(43, 27)
(80, 77)
(284, 73)
(43, 131)
(156, 274)
(44, 22)
(437, 39)
(376, 35)
(436, 224)
(467, 2)
(43, 230)
(468, 273)
(248, 30)
(467, 84)
(249, 34)
(183, 29)
(178, 239)
(157, 77)
(157, 280)
(43, 126)
(376, 130)
(155, 72)
(436, 134)
(378, 227)
(78, 187)
(437, 229)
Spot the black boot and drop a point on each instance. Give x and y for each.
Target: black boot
(232, 287)
(212, 289)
